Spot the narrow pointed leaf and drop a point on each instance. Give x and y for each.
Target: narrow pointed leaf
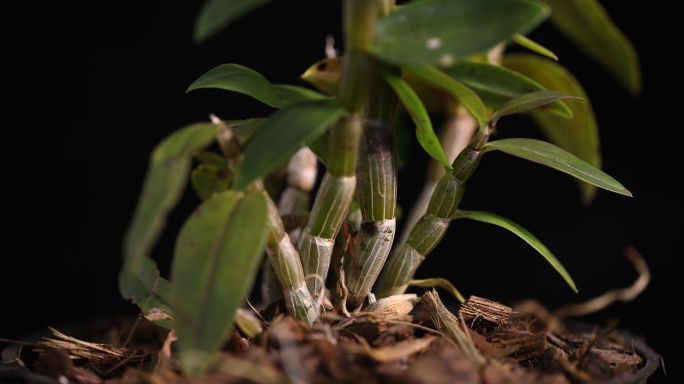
(552, 156)
(534, 46)
(215, 15)
(166, 178)
(466, 96)
(524, 234)
(282, 134)
(527, 101)
(139, 281)
(438, 32)
(587, 24)
(290, 94)
(209, 180)
(578, 135)
(217, 256)
(424, 131)
(496, 85)
(238, 78)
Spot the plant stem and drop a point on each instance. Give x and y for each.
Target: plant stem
(337, 187)
(285, 261)
(376, 192)
(430, 229)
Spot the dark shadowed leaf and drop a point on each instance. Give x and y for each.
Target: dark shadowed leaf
(578, 135)
(238, 78)
(166, 178)
(524, 234)
(548, 154)
(319, 146)
(496, 85)
(528, 101)
(438, 32)
(209, 180)
(587, 24)
(217, 256)
(289, 94)
(215, 15)
(139, 281)
(282, 134)
(424, 131)
(245, 129)
(466, 96)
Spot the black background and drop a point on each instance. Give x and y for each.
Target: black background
(94, 87)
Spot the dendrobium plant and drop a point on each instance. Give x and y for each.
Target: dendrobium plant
(415, 59)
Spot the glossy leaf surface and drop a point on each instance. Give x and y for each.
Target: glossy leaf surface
(459, 91)
(552, 156)
(438, 32)
(238, 78)
(578, 135)
(215, 15)
(528, 101)
(587, 24)
(424, 131)
(524, 234)
(166, 178)
(282, 134)
(496, 85)
(217, 256)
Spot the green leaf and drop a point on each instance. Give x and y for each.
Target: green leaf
(524, 234)
(217, 256)
(282, 134)
(424, 131)
(552, 156)
(212, 158)
(527, 101)
(215, 15)
(209, 180)
(578, 135)
(319, 146)
(587, 24)
(496, 85)
(237, 78)
(166, 178)
(464, 95)
(438, 32)
(245, 129)
(534, 46)
(290, 94)
(139, 281)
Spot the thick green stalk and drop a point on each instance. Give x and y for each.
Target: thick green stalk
(287, 267)
(294, 200)
(337, 187)
(430, 229)
(332, 201)
(376, 191)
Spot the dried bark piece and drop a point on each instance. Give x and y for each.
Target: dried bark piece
(442, 363)
(515, 339)
(449, 326)
(483, 314)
